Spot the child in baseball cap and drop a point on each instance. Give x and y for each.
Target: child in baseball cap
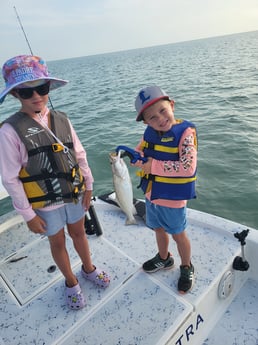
(147, 97)
(167, 178)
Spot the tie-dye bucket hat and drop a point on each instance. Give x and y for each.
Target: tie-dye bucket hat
(26, 68)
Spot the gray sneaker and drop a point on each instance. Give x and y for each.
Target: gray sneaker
(156, 264)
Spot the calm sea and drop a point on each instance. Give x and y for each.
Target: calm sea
(214, 83)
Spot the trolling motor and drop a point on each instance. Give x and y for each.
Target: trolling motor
(132, 154)
(91, 222)
(240, 262)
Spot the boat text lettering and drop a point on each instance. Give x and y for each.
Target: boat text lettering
(190, 331)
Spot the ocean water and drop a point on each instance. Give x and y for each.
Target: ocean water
(214, 83)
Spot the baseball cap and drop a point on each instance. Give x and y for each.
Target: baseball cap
(146, 97)
(26, 68)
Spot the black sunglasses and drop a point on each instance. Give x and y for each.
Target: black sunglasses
(27, 92)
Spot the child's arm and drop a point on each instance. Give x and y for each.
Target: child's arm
(12, 146)
(186, 165)
(81, 157)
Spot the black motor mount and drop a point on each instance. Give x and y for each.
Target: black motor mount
(240, 262)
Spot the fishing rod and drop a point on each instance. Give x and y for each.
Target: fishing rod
(28, 43)
(24, 33)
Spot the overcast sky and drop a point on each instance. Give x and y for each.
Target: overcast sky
(59, 29)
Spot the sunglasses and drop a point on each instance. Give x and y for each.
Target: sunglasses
(27, 92)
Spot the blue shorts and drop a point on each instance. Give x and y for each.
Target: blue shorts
(57, 219)
(172, 220)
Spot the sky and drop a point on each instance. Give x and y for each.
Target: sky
(60, 29)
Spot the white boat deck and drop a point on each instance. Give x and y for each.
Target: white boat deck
(137, 308)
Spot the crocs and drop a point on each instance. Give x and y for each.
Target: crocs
(74, 297)
(98, 277)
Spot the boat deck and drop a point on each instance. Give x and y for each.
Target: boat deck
(238, 325)
(137, 308)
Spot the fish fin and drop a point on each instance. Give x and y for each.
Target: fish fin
(130, 221)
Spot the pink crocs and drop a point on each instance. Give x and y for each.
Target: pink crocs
(98, 277)
(74, 297)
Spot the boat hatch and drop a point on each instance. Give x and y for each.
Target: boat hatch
(145, 310)
(31, 270)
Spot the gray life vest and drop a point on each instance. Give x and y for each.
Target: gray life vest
(51, 176)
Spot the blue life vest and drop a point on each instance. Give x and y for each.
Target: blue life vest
(165, 147)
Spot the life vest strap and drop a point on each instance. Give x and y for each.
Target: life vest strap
(55, 147)
(69, 176)
(55, 196)
(161, 148)
(172, 180)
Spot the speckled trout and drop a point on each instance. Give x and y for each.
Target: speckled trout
(123, 187)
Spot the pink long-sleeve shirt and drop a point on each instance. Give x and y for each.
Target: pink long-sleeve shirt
(184, 167)
(14, 156)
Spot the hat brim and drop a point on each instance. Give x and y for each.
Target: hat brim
(139, 116)
(55, 83)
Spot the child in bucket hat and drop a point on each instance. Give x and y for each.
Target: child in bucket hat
(47, 174)
(167, 178)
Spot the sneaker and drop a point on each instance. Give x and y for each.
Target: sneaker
(186, 280)
(156, 264)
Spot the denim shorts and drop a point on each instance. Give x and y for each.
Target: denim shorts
(57, 218)
(172, 220)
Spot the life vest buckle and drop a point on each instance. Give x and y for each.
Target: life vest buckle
(56, 147)
(76, 192)
(140, 173)
(73, 173)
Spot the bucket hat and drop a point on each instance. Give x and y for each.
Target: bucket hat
(25, 68)
(146, 97)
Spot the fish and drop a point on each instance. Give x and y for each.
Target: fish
(123, 187)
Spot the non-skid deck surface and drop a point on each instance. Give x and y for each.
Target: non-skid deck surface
(137, 308)
(239, 320)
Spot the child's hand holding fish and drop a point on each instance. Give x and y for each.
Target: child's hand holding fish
(146, 167)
